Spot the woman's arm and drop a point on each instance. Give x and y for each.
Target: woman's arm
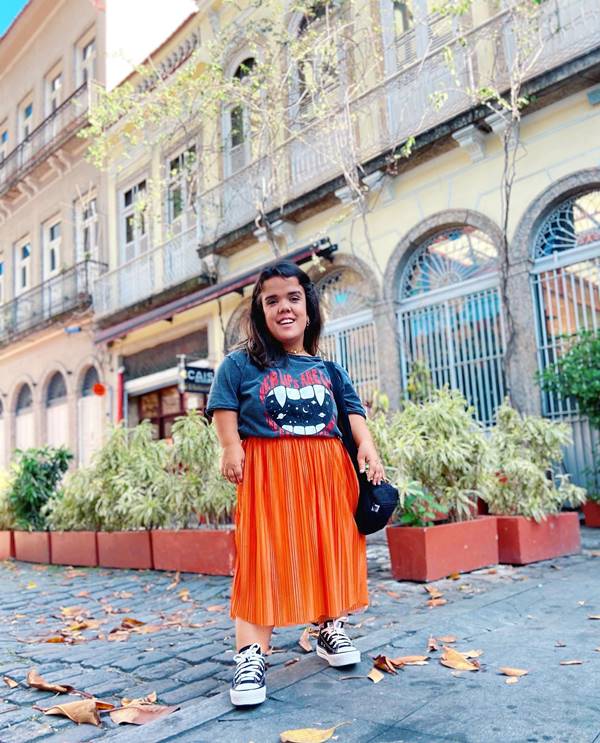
(367, 453)
(232, 457)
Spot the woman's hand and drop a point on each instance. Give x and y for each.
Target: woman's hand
(232, 462)
(369, 462)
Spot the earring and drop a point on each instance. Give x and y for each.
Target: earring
(307, 322)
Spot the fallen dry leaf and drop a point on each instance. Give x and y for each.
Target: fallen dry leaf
(82, 594)
(447, 639)
(454, 576)
(55, 638)
(410, 660)
(394, 594)
(559, 644)
(433, 591)
(592, 553)
(571, 662)
(513, 671)
(472, 653)
(511, 680)
(291, 662)
(149, 699)
(175, 582)
(148, 629)
(492, 571)
(31, 585)
(84, 711)
(432, 644)
(117, 636)
(216, 607)
(184, 594)
(374, 675)
(385, 664)
(131, 623)
(123, 594)
(10, 682)
(135, 714)
(436, 602)
(73, 611)
(38, 682)
(453, 659)
(304, 641)
(594, 616)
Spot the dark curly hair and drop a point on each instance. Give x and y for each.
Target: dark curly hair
(262, 348)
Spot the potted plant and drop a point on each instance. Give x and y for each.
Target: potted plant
(197, 493)
(576, 375)
(523, 492)
(435, 453)
(7, 519)
(37, 475)
(71, 518)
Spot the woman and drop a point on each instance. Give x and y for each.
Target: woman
(300, 557)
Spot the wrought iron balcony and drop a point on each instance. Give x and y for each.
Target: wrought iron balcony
(45, 139)
(38, 307)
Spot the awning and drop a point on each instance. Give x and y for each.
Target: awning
(322, 248)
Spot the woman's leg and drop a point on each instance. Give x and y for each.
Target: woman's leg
(247, 633)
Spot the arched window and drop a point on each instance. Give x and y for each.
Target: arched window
(237, 126)
(349, 335)
(90, 378)
(56, 393)
(566, 284)
(237, 327)
(450, 316)
(24, 400)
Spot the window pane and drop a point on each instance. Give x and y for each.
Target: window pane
(129, 229)
(128, 197)
(237, 126)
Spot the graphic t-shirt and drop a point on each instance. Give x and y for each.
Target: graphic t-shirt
(290, 399)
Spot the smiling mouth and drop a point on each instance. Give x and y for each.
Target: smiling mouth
(286, 321)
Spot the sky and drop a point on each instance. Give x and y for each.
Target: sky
(9, 9)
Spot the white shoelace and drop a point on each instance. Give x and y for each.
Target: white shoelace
(250, 666)
(336, 636)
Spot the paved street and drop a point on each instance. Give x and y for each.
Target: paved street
(530, 618)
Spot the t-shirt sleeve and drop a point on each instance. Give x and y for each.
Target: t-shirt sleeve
(351, 398)
(225, 389)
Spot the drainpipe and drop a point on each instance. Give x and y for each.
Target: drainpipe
(120, 393)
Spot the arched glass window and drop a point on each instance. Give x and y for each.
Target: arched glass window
(237, 327)
(57, 390)
(24, 400)
(349, 335)
(90, 378)
(450, 316)
(237, 136)
(566, 285)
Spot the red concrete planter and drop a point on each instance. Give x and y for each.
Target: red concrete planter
(210, 551)
(6, 545)
(74, 548)
(522, 540)
(591, 511)
(432, 552)
(32, 546)
(124, 549)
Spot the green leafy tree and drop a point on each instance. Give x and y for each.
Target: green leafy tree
(37, 476)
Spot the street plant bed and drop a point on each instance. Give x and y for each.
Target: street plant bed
(74, 548)
(522, 540)
(125, 549)
(431, 552)
(591, 511)
(6, 545)
(32, 546)
(204, 550)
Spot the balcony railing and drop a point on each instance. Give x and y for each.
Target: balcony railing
(382, 118)
(36, 308)
(45, 138)
(166, 265)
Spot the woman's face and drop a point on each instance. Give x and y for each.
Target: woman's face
(284, 304)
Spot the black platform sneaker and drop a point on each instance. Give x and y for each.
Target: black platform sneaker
(335, 646)
(248, 686)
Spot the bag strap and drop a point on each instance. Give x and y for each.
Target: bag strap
(343, 421)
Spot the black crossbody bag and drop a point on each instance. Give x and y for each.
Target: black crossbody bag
(376, 503)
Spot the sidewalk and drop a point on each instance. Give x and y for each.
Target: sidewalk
(530, 618)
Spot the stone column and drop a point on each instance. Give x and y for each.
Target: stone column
(388, 353)
(522, 365)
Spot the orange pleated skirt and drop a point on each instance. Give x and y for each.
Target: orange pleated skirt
(300, 557)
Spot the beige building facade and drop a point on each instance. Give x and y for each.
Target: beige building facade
(55, 384)
(416, 277)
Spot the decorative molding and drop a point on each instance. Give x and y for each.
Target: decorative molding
(472, 140)
(175, 59)
(282, 230)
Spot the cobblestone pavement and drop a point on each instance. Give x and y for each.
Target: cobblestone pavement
(183, 652)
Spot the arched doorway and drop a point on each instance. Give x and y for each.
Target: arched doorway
(450, 316)
(90, 413)
(57, 415)
(24, 423)
(566, 286)
(349, 335)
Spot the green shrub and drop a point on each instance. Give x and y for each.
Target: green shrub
(74, 507)
(37, 476)
(522, 451)
(7, 517)
(438, 446)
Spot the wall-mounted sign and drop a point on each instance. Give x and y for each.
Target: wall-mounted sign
(196, 378)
